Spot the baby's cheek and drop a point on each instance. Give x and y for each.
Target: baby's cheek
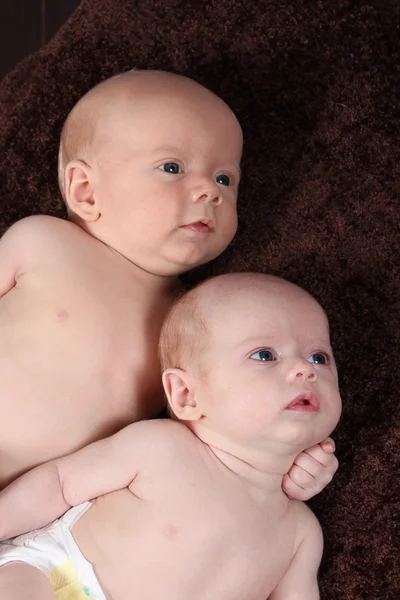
(229, 229)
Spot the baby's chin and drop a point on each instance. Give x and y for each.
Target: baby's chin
(180, 268)
(299, 435)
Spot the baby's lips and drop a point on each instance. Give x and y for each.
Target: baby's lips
(204, 224)
(306, 399)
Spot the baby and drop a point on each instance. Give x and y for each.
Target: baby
(149, 168)
(192, 507)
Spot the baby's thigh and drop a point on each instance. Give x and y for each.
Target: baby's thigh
(20, 581)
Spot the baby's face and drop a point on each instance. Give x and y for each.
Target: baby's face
(270, 371)
(168, 171)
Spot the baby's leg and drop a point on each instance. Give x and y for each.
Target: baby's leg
(20, 581)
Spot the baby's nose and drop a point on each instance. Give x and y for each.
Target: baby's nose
(209, 193)
(304, 370)
(309, 376)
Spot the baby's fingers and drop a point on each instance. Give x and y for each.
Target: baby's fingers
(304, 478)
(317, 456)
(328, 445)
(293, 489)
(312, 474)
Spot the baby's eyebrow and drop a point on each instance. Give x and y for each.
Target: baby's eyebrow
(258, 341)
(232, 167)
(238, 169)
(168, 149)
(324, 343)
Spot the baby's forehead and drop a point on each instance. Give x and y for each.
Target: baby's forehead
(235, 313)
(158, 95)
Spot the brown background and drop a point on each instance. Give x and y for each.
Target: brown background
(316, 87)
(25, 25)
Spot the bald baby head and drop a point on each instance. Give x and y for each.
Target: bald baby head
(106, 109)
(220, 303)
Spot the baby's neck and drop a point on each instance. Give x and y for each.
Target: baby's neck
(168, 285)
(151, 283)
(262, 470)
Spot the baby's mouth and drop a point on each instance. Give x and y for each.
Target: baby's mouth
(306, 402)
(201, 225)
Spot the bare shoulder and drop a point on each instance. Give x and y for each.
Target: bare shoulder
(160, 442)
(307, 526)
(38, 224)
(300, 579)
(39, 227)
(36, 233)
(304, 514)
(161, 437)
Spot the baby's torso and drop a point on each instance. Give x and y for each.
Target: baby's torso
(78, 358)
(181, 535)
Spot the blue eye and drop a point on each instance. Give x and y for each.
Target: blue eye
(319, 358)
(171, 167)
(223, 180)
(264, 355)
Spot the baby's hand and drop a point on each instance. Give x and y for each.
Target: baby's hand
(311, 471)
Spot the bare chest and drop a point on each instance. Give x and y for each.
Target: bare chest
(246, 555)
(211, 550)
(78, 358)
(96, 312)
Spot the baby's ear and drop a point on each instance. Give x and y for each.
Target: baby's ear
(180, 391)
(79, 191)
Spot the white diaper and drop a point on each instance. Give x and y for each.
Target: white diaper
(53, 550)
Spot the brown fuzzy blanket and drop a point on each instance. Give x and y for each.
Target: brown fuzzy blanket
(316, 87)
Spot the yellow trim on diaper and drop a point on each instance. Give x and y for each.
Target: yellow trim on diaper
(66, 584)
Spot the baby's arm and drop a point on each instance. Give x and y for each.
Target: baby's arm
(26, 243)
(300, 580)
(311, 471)
(10, 245)
(43, 494)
